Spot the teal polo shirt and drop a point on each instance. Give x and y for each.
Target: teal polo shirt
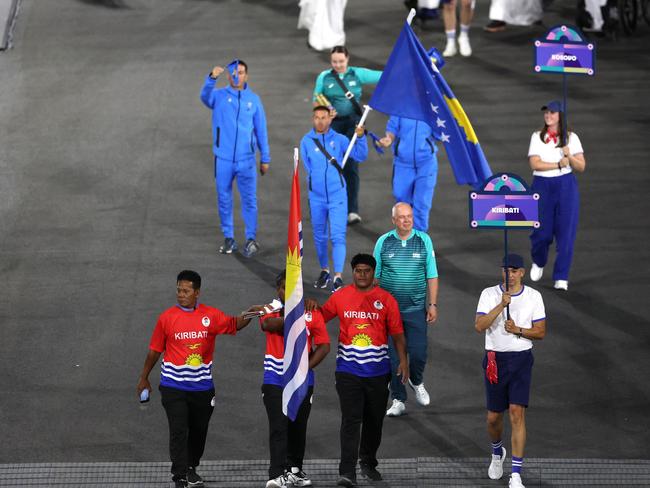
(404, 266)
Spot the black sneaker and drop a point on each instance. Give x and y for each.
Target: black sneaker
(495, 26)
(370, 472)
(323, 280)
(251, 248)
(180, 483)
(348, 480)
(229, 246)
(338, 283)
(193, 478)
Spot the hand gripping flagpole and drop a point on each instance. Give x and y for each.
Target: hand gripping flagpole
(368, 108)
(366, 111)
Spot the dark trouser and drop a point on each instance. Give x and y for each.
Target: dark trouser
(363, 404)
(346, 126)
(415, 333)
(188, 414)
(559, 207)
(286, 438)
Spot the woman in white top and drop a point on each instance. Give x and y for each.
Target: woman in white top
(554, 161)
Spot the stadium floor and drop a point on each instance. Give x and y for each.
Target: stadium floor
(107, 192)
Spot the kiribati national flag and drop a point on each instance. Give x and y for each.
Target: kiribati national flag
(411, 87)
(296, 359)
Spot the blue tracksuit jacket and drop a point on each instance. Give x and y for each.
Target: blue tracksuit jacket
(238, 122)
(325, 182)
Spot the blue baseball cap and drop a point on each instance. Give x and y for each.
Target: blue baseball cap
(554, 106)
(513, 261)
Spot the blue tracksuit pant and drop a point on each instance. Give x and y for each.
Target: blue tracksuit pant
(245, 172)
(415, 185)
(333, 217)
(559, 205)
(415, 333)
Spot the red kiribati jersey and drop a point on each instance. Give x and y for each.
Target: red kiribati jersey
(274, 356)
(187, 339)
(366, 320)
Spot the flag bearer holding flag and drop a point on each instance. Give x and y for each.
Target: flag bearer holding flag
(322, 151)
(289, 379)
(415, 165)
(367, 316)
(287, 438)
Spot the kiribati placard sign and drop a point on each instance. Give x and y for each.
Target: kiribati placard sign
(504, 202)
(564, 50)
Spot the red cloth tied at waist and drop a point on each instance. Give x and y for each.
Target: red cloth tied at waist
(491, 371)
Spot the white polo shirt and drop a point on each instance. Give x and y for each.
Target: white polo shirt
(526, 307)
(550, 153)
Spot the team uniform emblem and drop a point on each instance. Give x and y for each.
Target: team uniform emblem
(205, 321)
(378, 305)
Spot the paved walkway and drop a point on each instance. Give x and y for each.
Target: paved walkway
(398, 473)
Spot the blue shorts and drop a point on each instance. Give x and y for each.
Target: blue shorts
(513, 387)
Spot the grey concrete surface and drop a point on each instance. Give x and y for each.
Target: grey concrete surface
(8, 9)
(107, 192)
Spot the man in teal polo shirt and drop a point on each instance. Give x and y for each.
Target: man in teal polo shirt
(406, 267)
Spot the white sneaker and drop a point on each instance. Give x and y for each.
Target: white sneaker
(495, 471)
(396, 409)
(536, 272)
(464, 45)
(354, 218)
(421, 395)
(297, 477)
(515, 481)
(279, 482)
(561, 285)
(450, 48)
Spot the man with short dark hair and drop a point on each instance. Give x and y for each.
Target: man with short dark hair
(287, 438)
(322, 150)
(367, 316)
(511, 315)
(186, 333)
(238, 129)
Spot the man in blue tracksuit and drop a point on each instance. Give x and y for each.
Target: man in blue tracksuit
(238, 129)
(322, 150)
(415, 167)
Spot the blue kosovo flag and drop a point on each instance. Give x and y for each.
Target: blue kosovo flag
(411, 87)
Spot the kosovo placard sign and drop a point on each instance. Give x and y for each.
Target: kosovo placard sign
(564, 50)
(505, 202)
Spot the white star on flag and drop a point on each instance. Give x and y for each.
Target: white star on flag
(444, 137)
(434, 108)
(440, 123)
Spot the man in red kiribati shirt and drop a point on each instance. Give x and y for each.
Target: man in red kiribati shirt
(186, 333)
(287, 438)
(367, 316)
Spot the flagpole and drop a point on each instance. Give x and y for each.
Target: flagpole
(366, 111)
(296, 158)
(411, 16)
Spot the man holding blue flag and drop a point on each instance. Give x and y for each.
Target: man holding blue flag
(238, 130)
(413, 87)
(415, 166)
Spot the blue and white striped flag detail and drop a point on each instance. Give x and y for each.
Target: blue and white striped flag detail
(296, 356)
